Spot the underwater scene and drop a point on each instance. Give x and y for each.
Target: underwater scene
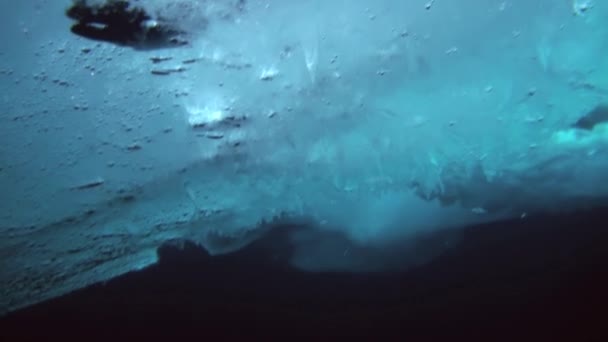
(399, 169)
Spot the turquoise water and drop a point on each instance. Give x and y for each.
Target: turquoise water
(373, 122)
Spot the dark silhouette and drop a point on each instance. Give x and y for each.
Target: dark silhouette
(117, 22)
(596, 116)
(539, 279)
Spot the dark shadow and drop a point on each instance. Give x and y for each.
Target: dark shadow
(541, 279)
(594, 117)
(121, 23)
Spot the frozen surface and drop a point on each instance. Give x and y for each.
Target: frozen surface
(375, 121)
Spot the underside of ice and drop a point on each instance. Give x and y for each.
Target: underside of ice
(369, 124)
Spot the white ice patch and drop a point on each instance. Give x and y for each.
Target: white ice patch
(581, 7)
(269, 73)
(204, 116)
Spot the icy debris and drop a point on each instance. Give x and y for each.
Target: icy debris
(429, 5)
(202, 117)
(268, 74)
(580, 7)
(61, 83)
(236, 64)
(81, 107)
(451, 50)
(169, 71)
(89, 185)
(191, 60)
(134, 147)
(214, 135)
(311, 57)
(479, 210)
(159, 59)
(211, 120)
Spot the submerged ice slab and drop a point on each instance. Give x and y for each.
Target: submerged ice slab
(369, 124)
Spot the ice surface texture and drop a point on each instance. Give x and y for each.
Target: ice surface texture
(369, 123)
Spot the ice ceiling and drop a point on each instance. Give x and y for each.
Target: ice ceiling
(374, 121)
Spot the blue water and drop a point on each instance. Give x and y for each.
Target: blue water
(373, 132)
